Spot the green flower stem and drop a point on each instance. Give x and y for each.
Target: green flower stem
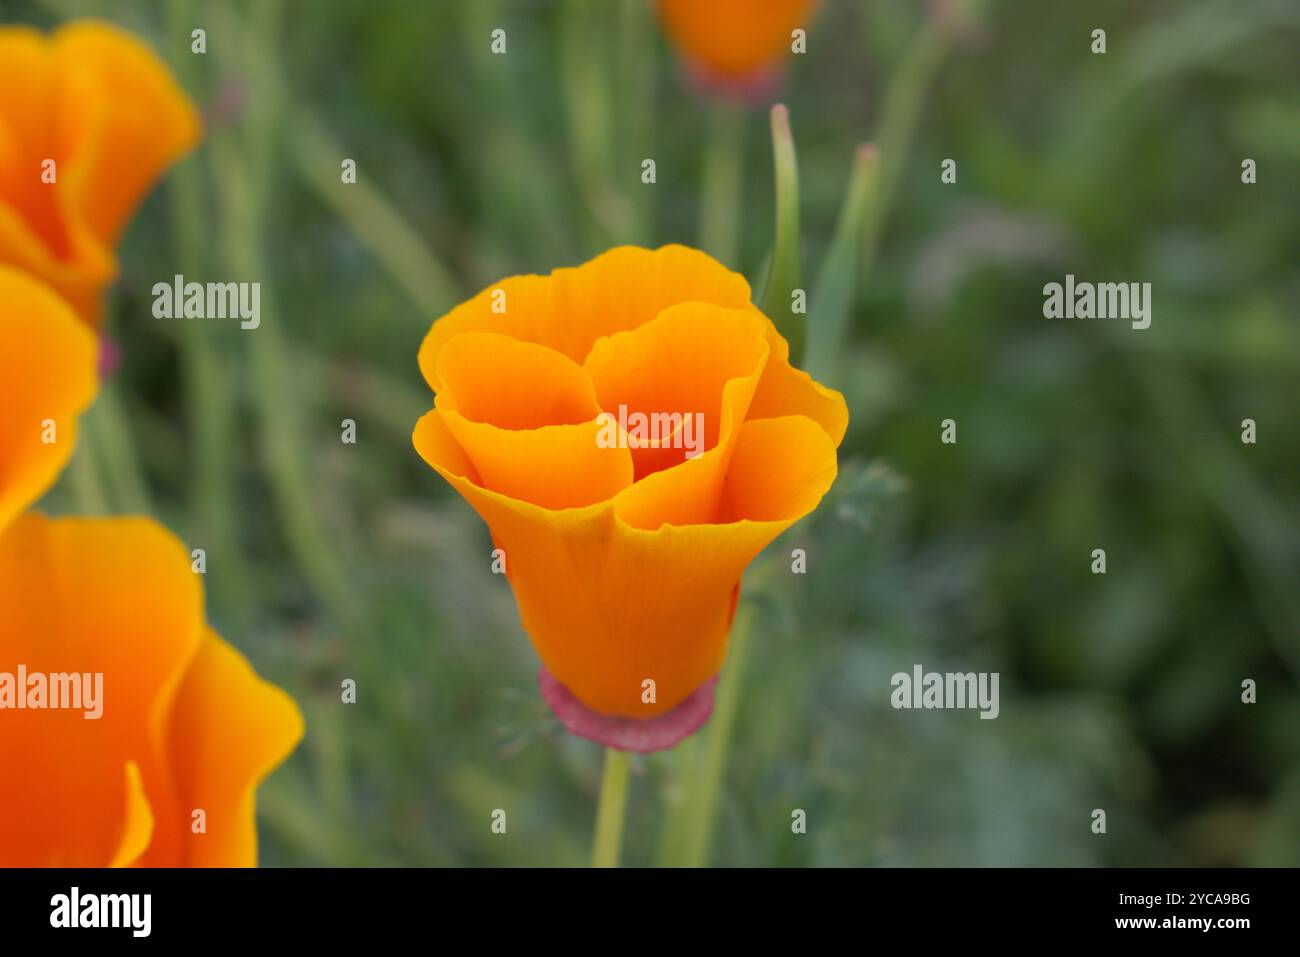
(899, 118)
(86, 487)
(635, 116)
(832, 294)
(376, 223)
(243, 170)
(720, 200)
(316, 154)
(108, 432)
(785, 272)
(706, 782)
(583, 29)
(209, 408)
(610, 809)
(677, 795)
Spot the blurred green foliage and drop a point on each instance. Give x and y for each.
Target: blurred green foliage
(329, 561)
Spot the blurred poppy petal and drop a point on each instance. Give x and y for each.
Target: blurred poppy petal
(125, 120)
(47, 362)
(86, 596)
(179, 710)
(229, 729)
(89, 119)
(734, 38)
(137, 827)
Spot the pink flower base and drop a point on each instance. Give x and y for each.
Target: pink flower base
(642, 735)
(754, 90)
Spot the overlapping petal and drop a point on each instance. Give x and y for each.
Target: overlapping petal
(101, 106)
(527, 417)
(609, 605)
(228, 730)
(184, 723)
(627, 577)
(694, 362)
(570, 309)
(620, 290)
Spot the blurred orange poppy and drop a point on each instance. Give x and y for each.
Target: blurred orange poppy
(732, 40)
(89, 118)
(47, 365)
(105, 615)
(171, 729)
(626, 556)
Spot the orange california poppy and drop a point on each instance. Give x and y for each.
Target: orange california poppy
(141, 735)
(89, 119)
(625, 544)
(732, 40)
(47, 365)
(182, 724)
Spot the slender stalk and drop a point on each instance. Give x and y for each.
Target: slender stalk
(898, 122)
(108, 431)
(837, 281)
(86, 487)
(610, 809)
(210, 409)
(677, 796)
(637, 107)
(707, 782)
(244, 177)
(720, 202)
(589, 114)
(785, 273)
(375, 221)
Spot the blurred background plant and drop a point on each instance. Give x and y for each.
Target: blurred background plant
(329, 561)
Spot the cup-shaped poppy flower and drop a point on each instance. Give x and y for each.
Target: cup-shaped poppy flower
(47, 365)
(131, 733)
(89, 119)
(735, 44)
(633, 434)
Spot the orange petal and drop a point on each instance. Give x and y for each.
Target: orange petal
(525, 415)
(513, 385)
(673, 371)
(558, 466)
(137, 829)
(609, 606)
(785, 390)
(229, 730)
(86, 596)
(518, 307)
(47, 363)
(125, 120)
(627, 286)
(100, 105)
(571, 308)
(779, 472)
(29, 99)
